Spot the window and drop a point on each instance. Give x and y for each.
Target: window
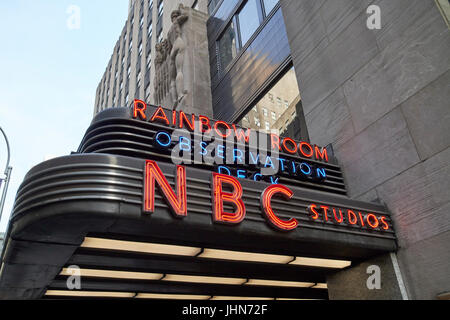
(126, 99)
(129, 72)
(249, 20)
(285, 90)
(227, 46)
(150, 30)
(241, 28)
(141, 22)
(269, 5)
(271, 97)
(147, 92)
(138, 81)
(149, 60)
(195, 5)
(160, 8)
(140, 49)
(274, 115)
(212, 6)
(160, 36)
(131, 46)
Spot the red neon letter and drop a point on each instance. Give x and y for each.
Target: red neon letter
(174, 117)
(275, 140)
(266, 198)
(177, 202)
(183, 118)
(241, 135)
(361, 219)
(335, 217)
(385, 225)
(216, 128)
(312, 210)
(139, 107)
(160, 114)
(310, 152)
(292, 151)
(373, 224)
(219, 197)
(325, 212)
(321, 155)
(205, 123)
(352, 219)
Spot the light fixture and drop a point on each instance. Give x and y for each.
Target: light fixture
(316, 262)
(114, 274)
(443, 296)
(320, 286)
(92, 294)
(155, 248)
(277, 283)
(203, 279)
(171, 296)
(244, 256)
(169, 249)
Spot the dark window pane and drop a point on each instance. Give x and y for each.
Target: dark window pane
(269, 5)
(248, 20)
(227, 46)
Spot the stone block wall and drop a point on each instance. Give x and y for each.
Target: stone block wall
(382, 98)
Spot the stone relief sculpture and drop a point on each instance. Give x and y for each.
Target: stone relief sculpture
(170, 60)
(176, 63)
(182, 74)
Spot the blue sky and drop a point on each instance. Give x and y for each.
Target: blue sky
(48, 77)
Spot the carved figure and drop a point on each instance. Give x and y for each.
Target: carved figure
(177, 50)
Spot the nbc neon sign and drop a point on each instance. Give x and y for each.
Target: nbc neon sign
(178, 204)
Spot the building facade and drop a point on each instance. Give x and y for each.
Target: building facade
(130, 71)
(366, 107)
(382, 91)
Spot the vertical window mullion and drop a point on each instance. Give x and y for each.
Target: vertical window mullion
(260, 6)
(238, 32)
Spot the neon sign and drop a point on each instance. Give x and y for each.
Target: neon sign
(283, 156)
(178, 204)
